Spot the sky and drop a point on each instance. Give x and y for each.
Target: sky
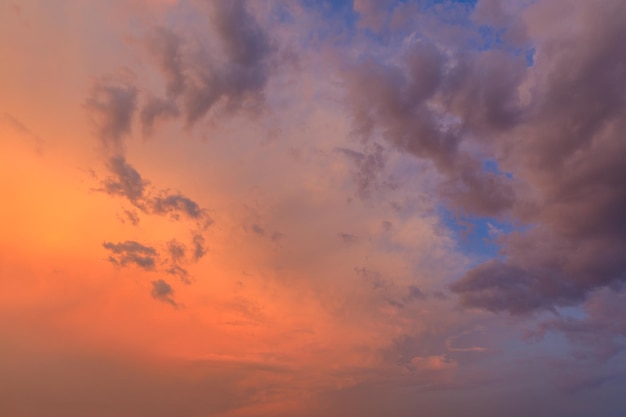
(312, 208)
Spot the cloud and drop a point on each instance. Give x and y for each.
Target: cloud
(125, 181)
(199, 249)
(565, 149)
(111, 105)
(131, 252)
(157, 109)
(199, 78)
(162, 291)
(175, 204)
(559, 173)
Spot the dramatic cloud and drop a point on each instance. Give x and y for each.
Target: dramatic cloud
(313, 208)
(566, 148)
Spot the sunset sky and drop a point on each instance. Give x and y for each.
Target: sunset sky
(303, 208)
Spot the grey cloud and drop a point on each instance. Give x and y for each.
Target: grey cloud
(199, 249)
(176, 250)
(176, 204)
(179, 272)
(131, 252)
(568, 151)
(198, 80)
(419, 106)
(243, 39)
(112, 105)
(166, 48)
(177, 256)
(162, 291)
(125, 181)
(555, 125)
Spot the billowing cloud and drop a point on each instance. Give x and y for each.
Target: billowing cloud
(566, 151)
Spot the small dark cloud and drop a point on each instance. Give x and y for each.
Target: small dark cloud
(557, 141)
(176, 250)
(125, 181)
(199, 249)
(132, 253)
(179, 272)
(177, 204)
(163, 291)
(496, 286)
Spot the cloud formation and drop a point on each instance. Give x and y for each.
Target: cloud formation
(565, 149)
(131, 252)
(199, 77)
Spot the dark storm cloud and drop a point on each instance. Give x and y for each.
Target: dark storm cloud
(111, 106)
(556, 125)
(196, 80)
(163, 291)
(569, 151)
(131, 252)
(177, 256)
